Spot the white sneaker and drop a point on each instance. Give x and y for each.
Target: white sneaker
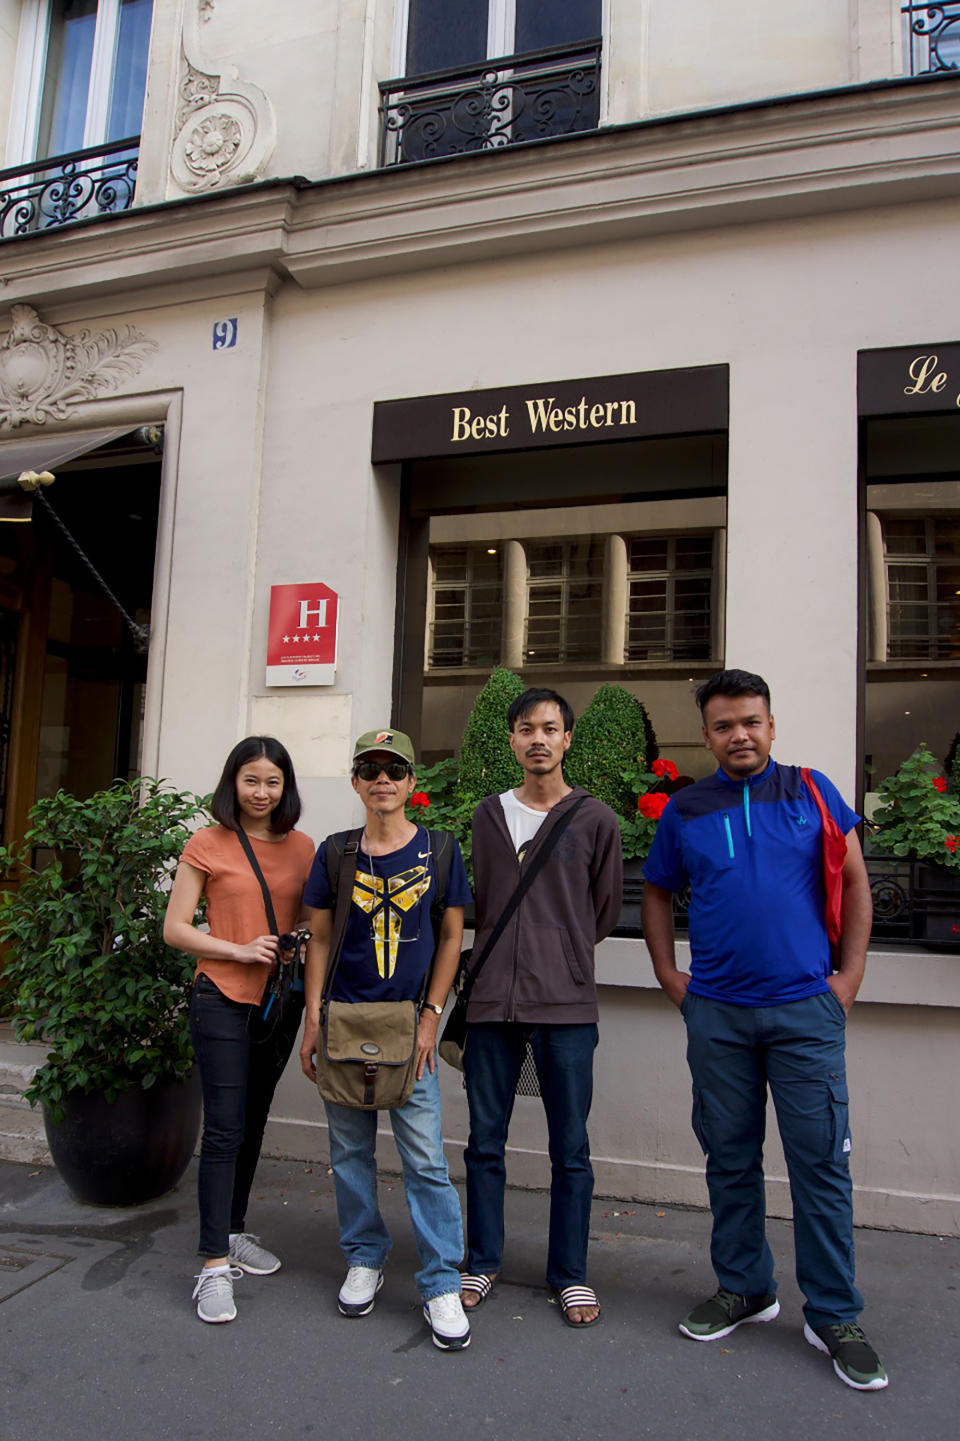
(359, 1291)
(447, 1321)
(213, 1293)
(247, 1253)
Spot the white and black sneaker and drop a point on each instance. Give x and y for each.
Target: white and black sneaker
(447, 1321)
(358, 1293)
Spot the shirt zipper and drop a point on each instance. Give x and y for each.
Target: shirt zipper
(726, 827)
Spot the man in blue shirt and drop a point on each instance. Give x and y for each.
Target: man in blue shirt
(762, 1007)
(389, 954)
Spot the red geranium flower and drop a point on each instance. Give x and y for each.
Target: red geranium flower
(419, 800)
(939, 784)
(665, 768)
(951, 842)
(652, 806)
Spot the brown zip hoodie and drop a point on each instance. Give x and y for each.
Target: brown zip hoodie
(542, 967)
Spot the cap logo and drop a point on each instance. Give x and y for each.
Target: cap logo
(384, 737)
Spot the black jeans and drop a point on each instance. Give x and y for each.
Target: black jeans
(241, 1059)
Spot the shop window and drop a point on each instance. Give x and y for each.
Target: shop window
(670, 597)
(922, 555)
(466, 606)
(456, 98)
(564, 601)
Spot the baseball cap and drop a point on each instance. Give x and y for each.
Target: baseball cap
(385, 740)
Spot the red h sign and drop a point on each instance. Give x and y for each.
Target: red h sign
(302, 638)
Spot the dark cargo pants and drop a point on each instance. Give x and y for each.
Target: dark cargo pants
(734, 1054)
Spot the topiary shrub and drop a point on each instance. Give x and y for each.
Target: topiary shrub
(952, 764)
(487, 764)
(612, 740)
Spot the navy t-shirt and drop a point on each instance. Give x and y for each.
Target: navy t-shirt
(752, 853)
(389, 944)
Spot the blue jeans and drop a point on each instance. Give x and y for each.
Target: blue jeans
(241, 1059)
(734, 1053)
(564, 1060)
(432, 1201)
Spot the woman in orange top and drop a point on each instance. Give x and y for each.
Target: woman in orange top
(241, 1042)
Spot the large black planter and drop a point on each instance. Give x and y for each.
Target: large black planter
(131, 1150)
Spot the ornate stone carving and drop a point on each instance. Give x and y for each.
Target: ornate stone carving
(226, 129)
(45, 374)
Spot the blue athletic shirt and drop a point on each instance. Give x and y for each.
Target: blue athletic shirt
(752, 854)
(389, 944)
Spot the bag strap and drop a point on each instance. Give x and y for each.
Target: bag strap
(540, 858)
(826, 818)
(244, 840)
(343, 890)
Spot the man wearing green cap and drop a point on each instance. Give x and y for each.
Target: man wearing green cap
(389, 954)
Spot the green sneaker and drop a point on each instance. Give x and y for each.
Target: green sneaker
(854, 1359)
(724, 1312)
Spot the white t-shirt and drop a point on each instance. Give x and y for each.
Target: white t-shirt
(522, 821)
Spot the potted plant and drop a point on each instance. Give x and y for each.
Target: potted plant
(918, 816)
(91, 975)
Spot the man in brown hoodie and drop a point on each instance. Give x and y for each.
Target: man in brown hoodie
(537, 985)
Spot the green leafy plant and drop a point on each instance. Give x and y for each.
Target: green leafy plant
(90, 973)
(435, 803)
(487, 765)
(918, 815)
(651, 789)
(613, 742)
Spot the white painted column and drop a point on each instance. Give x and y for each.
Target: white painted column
(514, 604)
(614, 600)
(876, 589)
(792, 547)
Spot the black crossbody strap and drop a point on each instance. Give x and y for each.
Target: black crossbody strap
(539, 860)
(344, 899)
(244, 840)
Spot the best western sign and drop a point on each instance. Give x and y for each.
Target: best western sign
(569, 412)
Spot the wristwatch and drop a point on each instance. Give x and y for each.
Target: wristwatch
(429, 1006)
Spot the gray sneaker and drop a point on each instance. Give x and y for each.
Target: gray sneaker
(247, 1253)
(359, 1291)
(854, 1359)
(213, 1293)
(724, 1312)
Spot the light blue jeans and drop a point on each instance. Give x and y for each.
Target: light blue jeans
(432, 1201)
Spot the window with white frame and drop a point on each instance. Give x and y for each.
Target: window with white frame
(564, 600)
(443, 33)
(466, 606)
(922, 555)
(81, 76)
(669, 597)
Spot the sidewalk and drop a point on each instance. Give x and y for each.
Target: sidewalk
(99, 1337)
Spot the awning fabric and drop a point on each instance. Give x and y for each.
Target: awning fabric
(43, 452)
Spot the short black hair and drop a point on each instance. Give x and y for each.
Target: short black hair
(732, 683)
(223, 804)
(539, 695)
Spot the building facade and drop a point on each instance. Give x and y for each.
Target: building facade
(607, 341)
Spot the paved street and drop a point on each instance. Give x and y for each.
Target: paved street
(100, 1340)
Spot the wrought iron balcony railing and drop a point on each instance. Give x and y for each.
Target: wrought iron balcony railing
(63, 188)
(931, 37)
(483, 107)
(914, 904)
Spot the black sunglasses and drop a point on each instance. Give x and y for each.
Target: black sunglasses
(370, 770)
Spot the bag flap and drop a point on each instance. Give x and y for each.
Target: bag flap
(384, 1032)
